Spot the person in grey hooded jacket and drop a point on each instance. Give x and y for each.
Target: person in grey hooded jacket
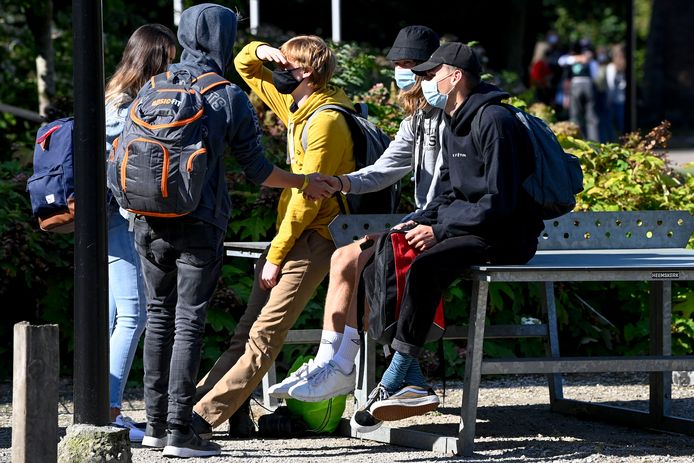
(182, 257)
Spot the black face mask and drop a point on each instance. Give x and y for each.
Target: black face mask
(284, 81)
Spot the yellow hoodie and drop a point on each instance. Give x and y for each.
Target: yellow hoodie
(329, 150)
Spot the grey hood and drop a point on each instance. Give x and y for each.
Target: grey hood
(207, 33)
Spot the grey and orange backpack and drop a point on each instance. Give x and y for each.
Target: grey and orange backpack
(157, 166)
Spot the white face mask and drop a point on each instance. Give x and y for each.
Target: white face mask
(430, 88)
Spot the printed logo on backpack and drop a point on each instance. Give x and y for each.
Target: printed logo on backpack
(52, 186)
(158, 165)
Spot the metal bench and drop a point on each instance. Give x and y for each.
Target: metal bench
(581, 246)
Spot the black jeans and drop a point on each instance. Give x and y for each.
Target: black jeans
(430, 274)
(181, 263)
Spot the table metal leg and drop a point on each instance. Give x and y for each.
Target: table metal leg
(473, 367)
(661, 344)
(549, 310)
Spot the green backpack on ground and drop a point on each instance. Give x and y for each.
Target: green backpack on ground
(320, 417)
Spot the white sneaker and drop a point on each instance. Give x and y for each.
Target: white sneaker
(281, 390)
(324, 383)
(135, 433)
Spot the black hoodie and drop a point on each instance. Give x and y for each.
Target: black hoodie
(482, 178)
(207, 33)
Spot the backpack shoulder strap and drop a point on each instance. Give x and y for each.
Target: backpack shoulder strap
(475, 126)
(206, 82)
(477, 120)
(159, 79)
(304, 139)
(333, 107)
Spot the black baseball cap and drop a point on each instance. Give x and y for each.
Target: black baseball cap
(453, 53)
(414, 42)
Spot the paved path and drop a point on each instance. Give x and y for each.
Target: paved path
(681, 157)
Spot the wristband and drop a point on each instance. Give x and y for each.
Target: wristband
(305, 185)
(342, 187)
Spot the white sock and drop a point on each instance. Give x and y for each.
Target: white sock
(349, 347)
(330, 342)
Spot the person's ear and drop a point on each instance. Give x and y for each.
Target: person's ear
(306, 75)
(458, 76)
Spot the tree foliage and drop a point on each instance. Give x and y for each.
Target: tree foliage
(37, 267)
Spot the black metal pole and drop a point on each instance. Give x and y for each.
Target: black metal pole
(630, 106)
(91, 277)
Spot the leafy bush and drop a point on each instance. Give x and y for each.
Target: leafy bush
(37, 267)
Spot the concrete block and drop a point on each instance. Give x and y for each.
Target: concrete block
(85, 443)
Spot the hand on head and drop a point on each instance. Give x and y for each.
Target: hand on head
(268, 53)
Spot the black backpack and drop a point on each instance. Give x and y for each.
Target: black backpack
(384, 284)
(557, 176)
(52, 186)
(158, 165)
(369, 144)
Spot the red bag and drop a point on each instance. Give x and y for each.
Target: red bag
(385, 285)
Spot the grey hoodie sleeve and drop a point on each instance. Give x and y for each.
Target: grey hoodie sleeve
(395, 162)
(244, 137)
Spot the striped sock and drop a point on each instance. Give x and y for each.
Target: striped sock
(414, 376)
(396, 371)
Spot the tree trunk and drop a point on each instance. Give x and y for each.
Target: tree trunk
(669, 69)
(39, 20)
(515, 35)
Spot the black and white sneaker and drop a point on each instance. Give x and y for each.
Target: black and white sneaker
(155, 436)
(187, 444)
(363, 421)
(408, 401)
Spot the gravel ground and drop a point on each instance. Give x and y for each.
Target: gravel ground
(514, 424)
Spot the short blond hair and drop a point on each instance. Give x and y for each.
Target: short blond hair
(312, 53)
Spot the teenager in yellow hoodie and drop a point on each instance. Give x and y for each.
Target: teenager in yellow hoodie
(298, 258)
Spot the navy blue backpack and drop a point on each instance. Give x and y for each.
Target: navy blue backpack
(52, 186)
(557, 177)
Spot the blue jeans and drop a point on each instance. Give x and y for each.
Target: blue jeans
(181, 263)
(127, 312)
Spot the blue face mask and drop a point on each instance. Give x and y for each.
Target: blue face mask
(404, 78)
(430, 88)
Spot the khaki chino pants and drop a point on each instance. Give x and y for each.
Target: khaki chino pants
(261, 331)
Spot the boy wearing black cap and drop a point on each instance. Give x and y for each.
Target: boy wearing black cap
(483, 216)
(417, 146)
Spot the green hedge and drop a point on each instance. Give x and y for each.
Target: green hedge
(607, 318)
